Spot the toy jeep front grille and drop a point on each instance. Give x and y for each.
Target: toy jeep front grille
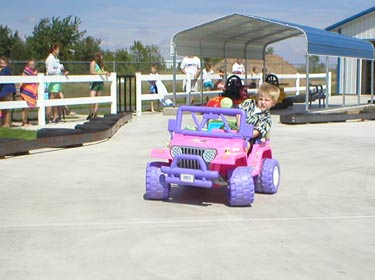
(190, 164)
(207, 154)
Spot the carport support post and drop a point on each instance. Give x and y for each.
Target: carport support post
(372, 81)
(344, 83)
(225, 63)
(328, 90)
(358, 84)
(264, 72)
(307, 83)
(174, 77)
(245, 68)
(203, 63)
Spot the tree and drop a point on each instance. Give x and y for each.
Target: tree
(64, 32)
(270, 50)
(75, 46)
(86, 48)
(121, 57)
(145, 55)
(6, 41)
(12, 47)
(315, 65)
(11, 44)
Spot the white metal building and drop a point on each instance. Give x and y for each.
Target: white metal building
(354, 75)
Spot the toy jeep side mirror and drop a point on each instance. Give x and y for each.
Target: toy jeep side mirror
(172, 124)
(248, 131)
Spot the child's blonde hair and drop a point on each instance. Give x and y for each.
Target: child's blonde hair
(270, 90)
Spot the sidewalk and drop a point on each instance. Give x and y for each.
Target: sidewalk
(79, 213)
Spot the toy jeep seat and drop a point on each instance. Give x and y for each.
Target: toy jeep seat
(232, 88)
(273, 80)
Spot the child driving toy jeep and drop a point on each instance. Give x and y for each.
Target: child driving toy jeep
(257, 111)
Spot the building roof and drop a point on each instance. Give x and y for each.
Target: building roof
(350, 19)
(240, 36)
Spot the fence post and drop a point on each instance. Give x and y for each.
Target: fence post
(188, 88)
(113, 93)
(41, 99)
(297, 83)
(138, 93)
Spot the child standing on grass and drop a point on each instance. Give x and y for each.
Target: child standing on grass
(6, 91)
(153, 87)
(96, 88)
(29, 91)
(257, 111)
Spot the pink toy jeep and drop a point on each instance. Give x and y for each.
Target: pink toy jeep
(211, 153)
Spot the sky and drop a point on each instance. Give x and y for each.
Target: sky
(118, 23)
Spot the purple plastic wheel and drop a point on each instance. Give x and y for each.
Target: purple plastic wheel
(241, 187)
(269, 177)
(156, 187)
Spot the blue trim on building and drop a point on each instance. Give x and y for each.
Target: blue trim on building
(349, 19)
(322, 42)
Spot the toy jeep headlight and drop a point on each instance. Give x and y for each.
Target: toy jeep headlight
(175, 151)
(209, 155)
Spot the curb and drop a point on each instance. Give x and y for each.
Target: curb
(366, 112)
(91, 131)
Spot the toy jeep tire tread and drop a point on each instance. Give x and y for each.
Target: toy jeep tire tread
(156, 187)
(269, 177)
(241, 187)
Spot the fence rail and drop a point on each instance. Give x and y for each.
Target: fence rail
(295, 90)
(42, 103)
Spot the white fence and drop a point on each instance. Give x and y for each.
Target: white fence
(292, 90)
(42, 103)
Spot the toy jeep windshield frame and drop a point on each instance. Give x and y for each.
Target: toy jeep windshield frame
(244, 131)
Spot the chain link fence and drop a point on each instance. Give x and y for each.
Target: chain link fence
(82, 67)
(130, 68)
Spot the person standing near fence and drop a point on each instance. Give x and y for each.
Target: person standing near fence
(6, 91)
(238, 67)
(220, 85)
(191, 67)
(96, 88)
(207, 76)
(153, 87)
(255, 76)
(29, 91)
(54, 67)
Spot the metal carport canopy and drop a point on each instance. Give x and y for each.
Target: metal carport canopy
(240, 36)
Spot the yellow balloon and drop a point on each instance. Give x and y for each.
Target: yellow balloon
(226, 102)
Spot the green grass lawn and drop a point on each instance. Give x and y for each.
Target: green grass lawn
(17, 133)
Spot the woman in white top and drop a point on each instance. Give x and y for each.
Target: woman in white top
(238, 67)
(191, 66)
(54, 67)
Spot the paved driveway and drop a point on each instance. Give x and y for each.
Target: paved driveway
(80, 214)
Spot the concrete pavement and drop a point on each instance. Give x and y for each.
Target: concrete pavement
(80, 213)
